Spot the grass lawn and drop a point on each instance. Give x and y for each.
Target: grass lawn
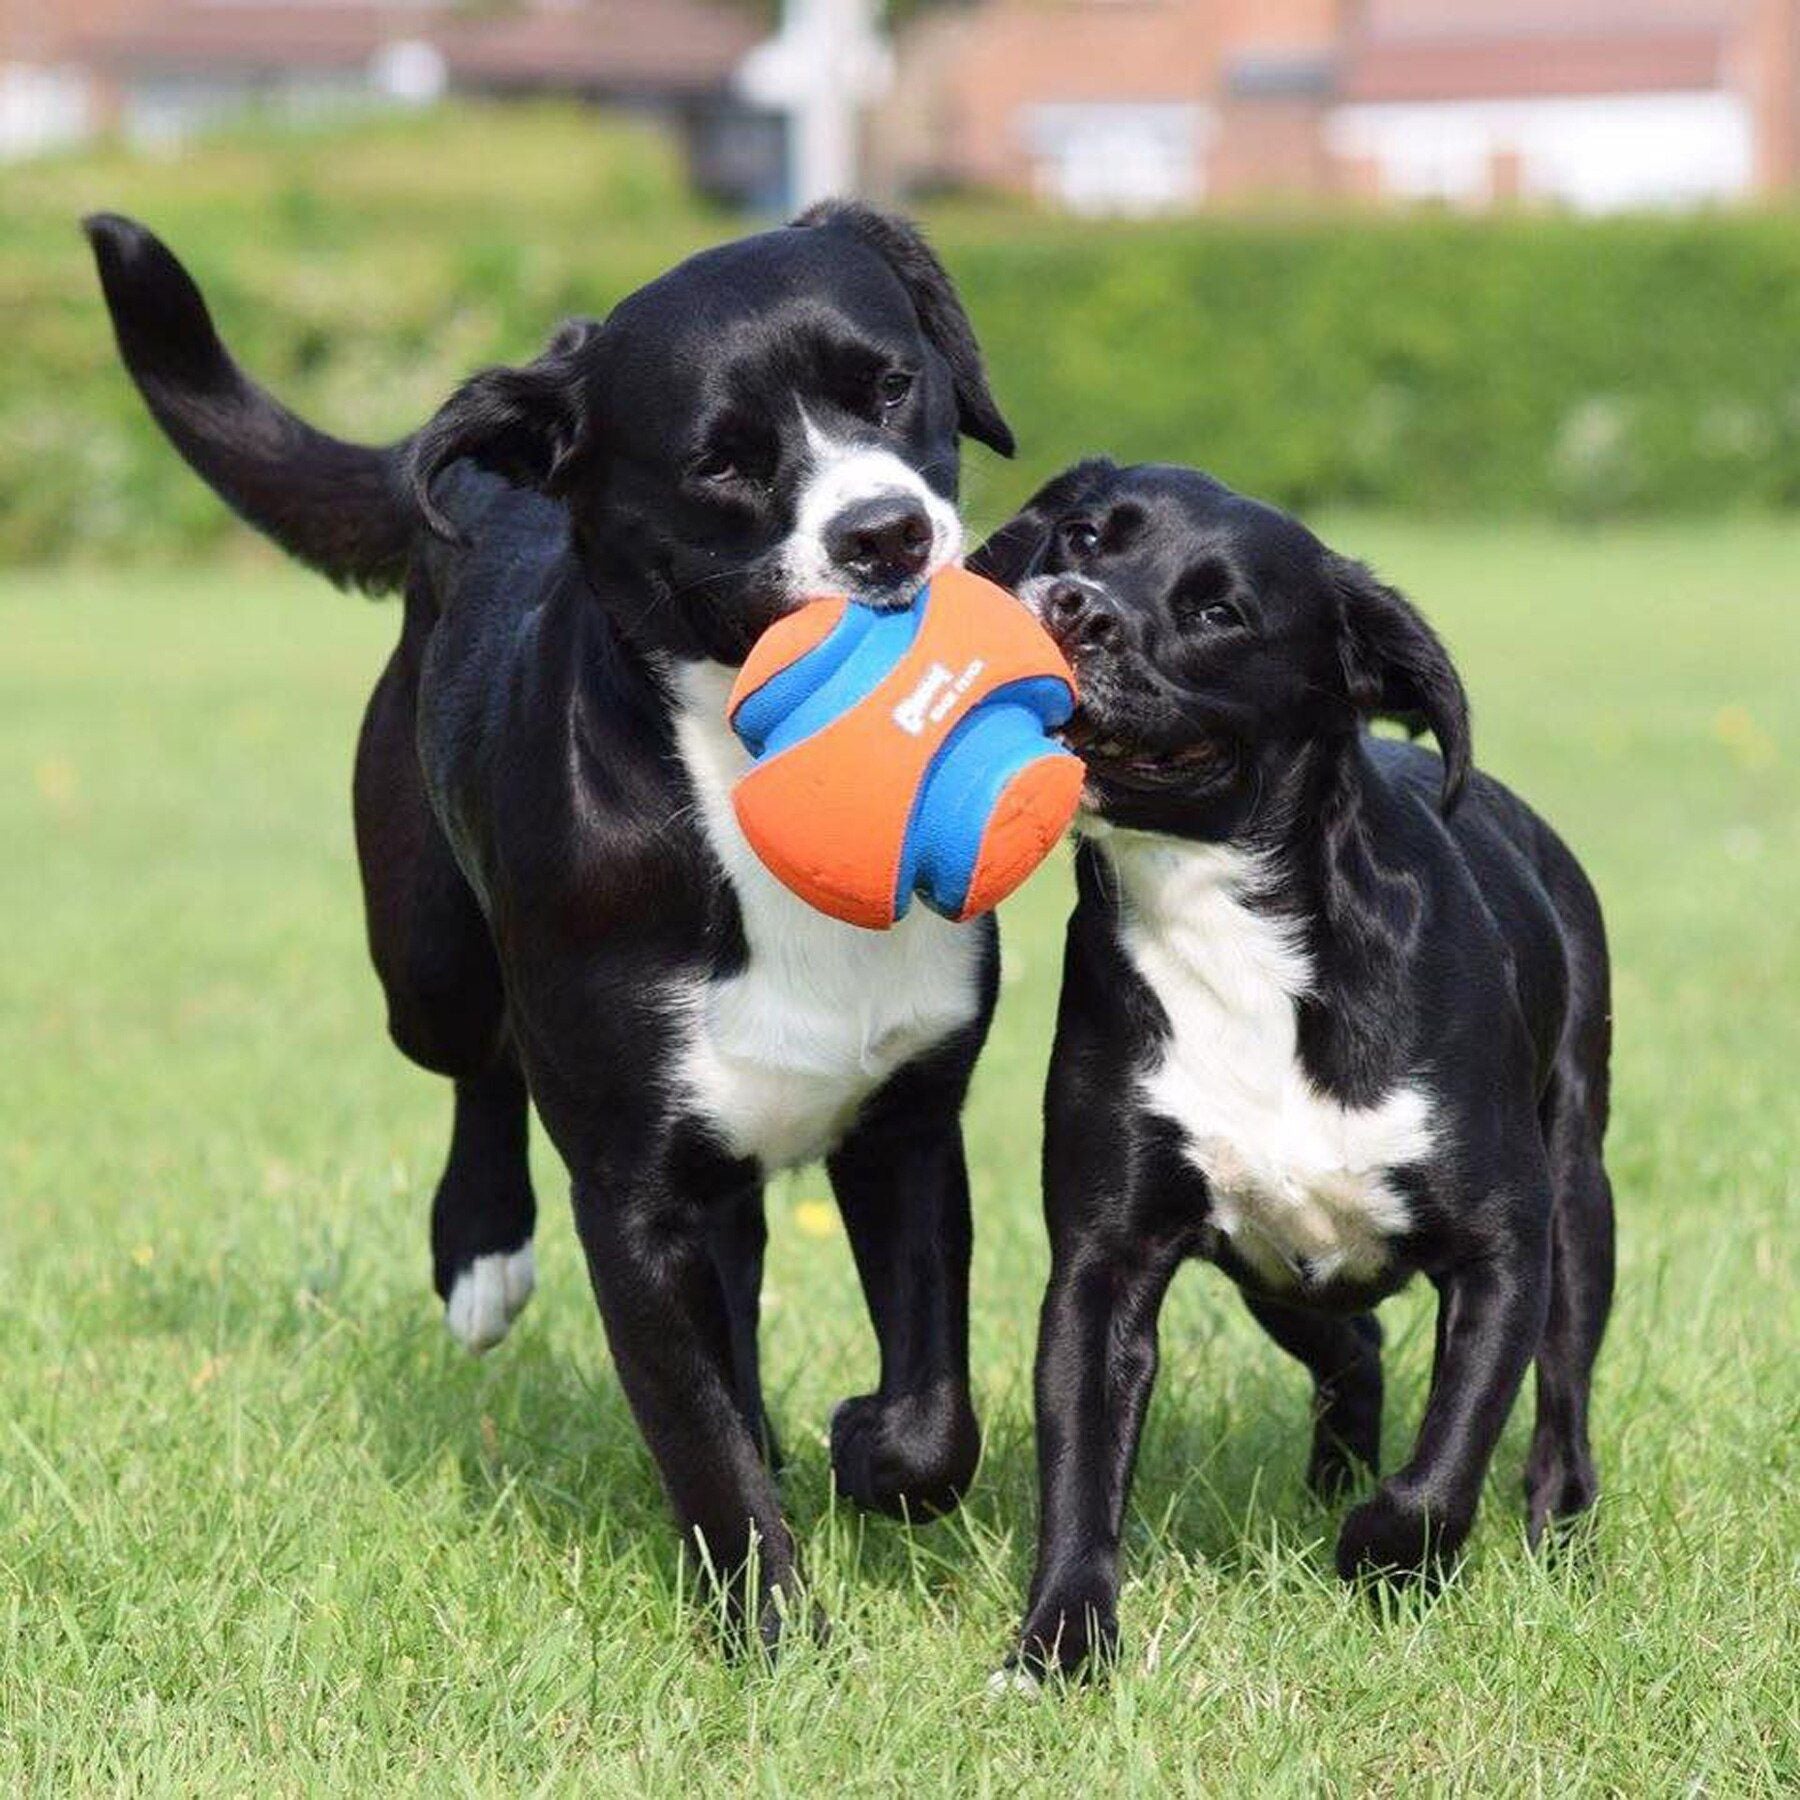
(261, 1521)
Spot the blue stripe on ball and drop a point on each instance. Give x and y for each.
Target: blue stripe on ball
(836, 674)
(962, 785)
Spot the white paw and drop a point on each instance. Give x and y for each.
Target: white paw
(1013, 1683)
(488, 1295)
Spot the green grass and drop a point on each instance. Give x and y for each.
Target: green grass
(261, 1522)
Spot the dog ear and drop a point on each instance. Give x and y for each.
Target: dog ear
(530, 424)
(1007, 556)
(941, 315)
(1396, 667)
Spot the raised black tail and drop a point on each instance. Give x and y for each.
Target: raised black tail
(343, 509)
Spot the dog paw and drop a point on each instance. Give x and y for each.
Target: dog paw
(911, 1457)
(760, 1609)
(1013, 1681)
(1073, 1632)
(487, 1295)
(782, 1621)
(1558, 1491)
(1397, 1542)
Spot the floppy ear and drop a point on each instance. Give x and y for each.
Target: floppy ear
(530, 424)
(934, 299)
(1007, 556)
(1396, 667)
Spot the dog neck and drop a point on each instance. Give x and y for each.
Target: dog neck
(1309, 883)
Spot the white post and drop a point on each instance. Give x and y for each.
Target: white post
(826, 63)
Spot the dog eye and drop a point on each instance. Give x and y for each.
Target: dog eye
(1080, 538)
(892, 388)
(1217, 615)
(1201, 601)
(739, 464)
(715, 466)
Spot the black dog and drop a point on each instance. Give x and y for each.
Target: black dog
(1333, 1012)
(559, 899)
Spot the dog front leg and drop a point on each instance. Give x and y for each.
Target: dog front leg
(1096, 1364)
(902, 1185)
(650, 1260)
(1491, 1317)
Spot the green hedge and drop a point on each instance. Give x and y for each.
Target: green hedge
(360, 271)
(1427, 364)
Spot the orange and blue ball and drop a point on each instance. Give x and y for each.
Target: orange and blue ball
(906, 750)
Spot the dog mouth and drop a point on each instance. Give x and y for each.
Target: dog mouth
(893, 596)
(1119, 755)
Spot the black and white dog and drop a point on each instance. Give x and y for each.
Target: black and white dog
(1334, 1011)
(559, 900)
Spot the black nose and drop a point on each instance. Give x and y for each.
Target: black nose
(881, 541)
(1079, 617)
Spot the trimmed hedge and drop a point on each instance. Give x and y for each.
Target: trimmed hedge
(1429, 364)
(359, 270)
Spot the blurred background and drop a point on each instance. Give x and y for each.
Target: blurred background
(1504, 297)
(1430, 255)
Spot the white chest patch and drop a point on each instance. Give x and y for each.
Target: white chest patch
(780, 1056)
(1300, 1184)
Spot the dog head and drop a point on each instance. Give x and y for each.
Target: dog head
(1217, 643)
(773, 419)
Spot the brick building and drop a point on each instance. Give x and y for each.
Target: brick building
(1099, 105)
(155, 69)
(1146, 105)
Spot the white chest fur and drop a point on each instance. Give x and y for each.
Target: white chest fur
(1300, 1184)
(780, 1056)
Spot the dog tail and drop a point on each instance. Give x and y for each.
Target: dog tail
(343, 509)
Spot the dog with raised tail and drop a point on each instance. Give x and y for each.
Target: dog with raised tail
(560, 903)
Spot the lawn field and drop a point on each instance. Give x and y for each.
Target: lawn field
(263, 1525)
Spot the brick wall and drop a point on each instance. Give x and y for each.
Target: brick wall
(1022, 53)
(1769, 60)
(1268, 73)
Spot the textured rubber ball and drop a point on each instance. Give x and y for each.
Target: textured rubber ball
(905, 750)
